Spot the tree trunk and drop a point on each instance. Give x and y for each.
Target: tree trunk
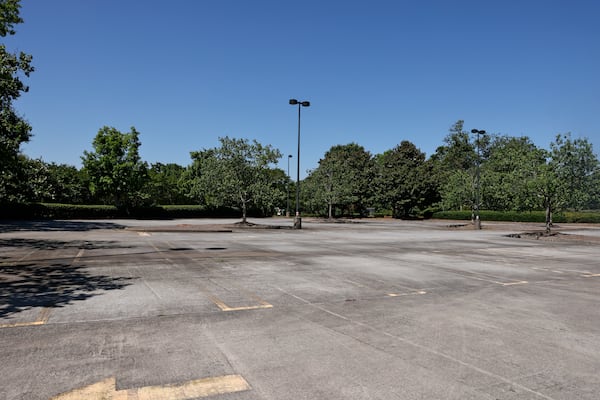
(243, 212)
(548, 218)
(329, 210)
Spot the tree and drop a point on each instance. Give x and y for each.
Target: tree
(116, 173)
(455, 162)
(404, 181)
(575, 164)
(67, 184)
(457, 152)
(14, 130)
(568, 178)
(237, 173)
(343, 179)
(512, 163)
(166, 184)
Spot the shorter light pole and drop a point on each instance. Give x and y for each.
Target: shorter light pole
(287, 207)
(297, 219)
(477, 183)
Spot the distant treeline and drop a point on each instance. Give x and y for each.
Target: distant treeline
(508, 174)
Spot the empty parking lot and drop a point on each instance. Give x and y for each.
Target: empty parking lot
(364, 310)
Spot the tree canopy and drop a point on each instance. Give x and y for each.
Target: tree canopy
(237, 173)
(117, 175)
(14, 130)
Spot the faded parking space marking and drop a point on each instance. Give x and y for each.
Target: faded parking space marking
(41, 320)
(214, 298)
(224, 307)
(199, 388)
(406, 294)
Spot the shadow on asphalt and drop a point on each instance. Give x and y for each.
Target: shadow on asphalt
(51, 282)
(50, 226)
(45, 244)
(27, 286)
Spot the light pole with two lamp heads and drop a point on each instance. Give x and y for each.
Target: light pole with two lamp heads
(477, 221)
(297, 219)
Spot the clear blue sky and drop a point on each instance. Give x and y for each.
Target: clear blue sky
(185, 72)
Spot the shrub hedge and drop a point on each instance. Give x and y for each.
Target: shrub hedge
(72, 211)
(528, 216)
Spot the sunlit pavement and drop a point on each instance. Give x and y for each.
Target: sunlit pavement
(359, 310)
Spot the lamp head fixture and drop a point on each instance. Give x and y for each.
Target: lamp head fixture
(302, 103)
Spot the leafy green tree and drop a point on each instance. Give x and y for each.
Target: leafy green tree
(594, 203)
(404, 180)
(457, 191)
(14, 130)
(166, 184)
(458, 151)
(237, 173)
(575, 164)
(455, 162)
(567, 178)
(512, 163)
(343, 179)
(66, 184)
(116, 172)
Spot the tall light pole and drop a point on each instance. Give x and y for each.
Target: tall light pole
(477, 183)
(297, 219)
(287, 207)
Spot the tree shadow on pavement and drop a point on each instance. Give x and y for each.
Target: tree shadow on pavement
(27, 286)
(52, 225)
(51, 280)
(46, 244)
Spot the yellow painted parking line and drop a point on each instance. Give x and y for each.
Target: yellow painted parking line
(513, 283)
(406, 294)
(78, 256)
(225, 307)
(247, 308)
(218, 302)
(199, 388)
(44, 315)
(41, 320)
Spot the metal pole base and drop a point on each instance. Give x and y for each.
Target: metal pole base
(477, 222)
(297, 222)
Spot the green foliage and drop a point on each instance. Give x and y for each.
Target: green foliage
(516, 216)
(511, 165)
(72, 211)
(116, 173)
(14, 130)
(9, 16)
(57, 211)
(238, 173)
(342, 180)
(167, 185)
(66, 184)
(404, 180)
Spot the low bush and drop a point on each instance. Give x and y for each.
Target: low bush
(72, 211)
(527, 216)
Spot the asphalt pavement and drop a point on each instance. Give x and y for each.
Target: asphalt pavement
(367, 309)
